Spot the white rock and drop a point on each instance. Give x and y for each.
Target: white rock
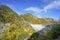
(37, 27)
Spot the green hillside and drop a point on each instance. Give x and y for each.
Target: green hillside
(7, 15)
(18, 29)
(34, 20)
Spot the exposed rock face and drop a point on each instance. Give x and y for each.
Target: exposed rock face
(3, 27)
(37, 27)
(42, 29)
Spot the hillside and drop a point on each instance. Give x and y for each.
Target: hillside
(7, 15)
(35, 20)
(12, 26)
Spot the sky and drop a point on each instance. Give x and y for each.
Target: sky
(39, 8)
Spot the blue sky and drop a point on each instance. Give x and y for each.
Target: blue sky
(39, 8)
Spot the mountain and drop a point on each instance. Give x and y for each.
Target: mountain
(34, 20)
(17, 27)
(12, 26)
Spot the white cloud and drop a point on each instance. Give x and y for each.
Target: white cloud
(52, 5)
(34, 9)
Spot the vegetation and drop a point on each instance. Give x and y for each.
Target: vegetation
(37, 36)
(19, 28)
(34, 20)
(54, 33)
(7, 15)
